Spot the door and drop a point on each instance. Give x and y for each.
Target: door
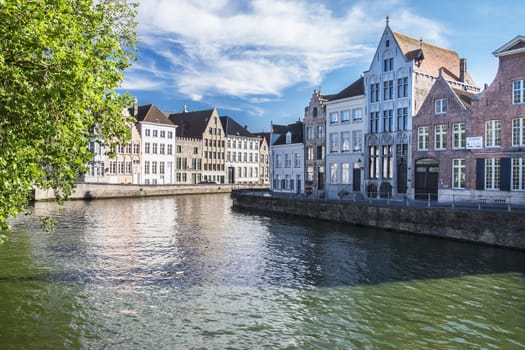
(426, 181)
(402, 175)
(356, 187)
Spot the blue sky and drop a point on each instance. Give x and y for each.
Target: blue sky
(259, 61)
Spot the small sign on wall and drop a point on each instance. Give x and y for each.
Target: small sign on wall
(475, 142)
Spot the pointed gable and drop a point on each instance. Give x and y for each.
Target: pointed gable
(516, 45)
(151, 114)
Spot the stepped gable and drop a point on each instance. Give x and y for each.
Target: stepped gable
(150, 113)
(295, 129)
(357, 88)
(231, 127)
(191, 124)
(430, 58)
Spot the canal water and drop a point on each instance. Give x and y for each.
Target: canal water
(189, 272)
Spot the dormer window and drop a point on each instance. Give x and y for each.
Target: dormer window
(441, 106)
(518, 91)
(288, 137)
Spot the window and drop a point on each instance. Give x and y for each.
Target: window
(297, 160)
(314, 112)
(162, 148)
(373, 164)
(345, 173)
(148, 132)
(492, 133)
(155, 132)
(334, 143)
(458, 133)
(161, 167)
(334, 117)
(128, 167)
(402, 87)
(113, 167)
(440, 137)
(162, 133)
(518, 174)
(357, 139)
(374, 92)
(518, 91)
(309, 133)
(136, 148)
(310, 153)
(287, 161)
(170, 149)
(387, 120)
(155, 148)
(146, 167)
(422, 138)
(357, 114)
(441, 106)
(387, 162)
(154, 167)
(345, 142)
(345, 116)
(170, 134)
(458, 173)
(146, 147)
(518, 132)
(374, 122)
(320, 152)
(333, 173)
(402, 118)
(195, 150)
(492, 173)
(320, 131)
(279, 161)
(388, 64)
(388, 90)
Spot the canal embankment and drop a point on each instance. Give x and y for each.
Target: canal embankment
(493, 227)
(88, 191)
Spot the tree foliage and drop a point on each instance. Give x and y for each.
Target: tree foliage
(60, 63)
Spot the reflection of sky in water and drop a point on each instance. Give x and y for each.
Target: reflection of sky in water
(187, 271)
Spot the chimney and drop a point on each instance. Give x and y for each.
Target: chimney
(135, 107)
(462, 69)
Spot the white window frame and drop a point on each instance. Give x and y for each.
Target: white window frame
(422, 138)
(492, 173)
(518, 174)
(518, 91)
(440, 137)
(458, 173)
(518, 132)
(441, 106)
(459, 132)
(493, 133)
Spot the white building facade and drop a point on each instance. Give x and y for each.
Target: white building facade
(287, 156)
(344, 142)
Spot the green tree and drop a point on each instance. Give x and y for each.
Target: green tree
(60, 63)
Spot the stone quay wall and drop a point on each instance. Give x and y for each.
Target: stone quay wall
(88, 191)
(497, 228)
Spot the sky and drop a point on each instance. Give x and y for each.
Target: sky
(259, 61)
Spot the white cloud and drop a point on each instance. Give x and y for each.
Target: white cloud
(258, 48)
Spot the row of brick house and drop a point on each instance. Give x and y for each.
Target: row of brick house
(182, 148)
(414, 125)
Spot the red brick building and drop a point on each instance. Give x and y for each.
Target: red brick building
(439, 141)
(498, 126)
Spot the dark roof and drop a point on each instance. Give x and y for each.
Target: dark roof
(278, 129)
(231, 127)
(150, 113)
(355, 89)
(191, 124)
(263, 135)
(295, 129)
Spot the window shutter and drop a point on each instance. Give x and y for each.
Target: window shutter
(505, 174)
(480, 173)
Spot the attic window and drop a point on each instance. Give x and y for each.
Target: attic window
(387, 43)
(288, 137)
(314, 112)
(441, 106)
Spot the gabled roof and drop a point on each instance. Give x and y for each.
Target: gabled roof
(191, 124)
(151, 114)
(263, 136)
(296, 131)
(516, 45)
(430, 58)
(465, 97)
(232, 128)
(357, 88)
